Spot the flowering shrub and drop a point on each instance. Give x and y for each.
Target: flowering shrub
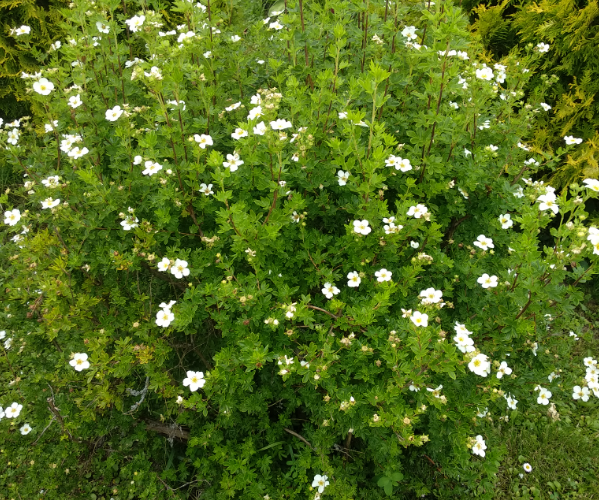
(300, 248)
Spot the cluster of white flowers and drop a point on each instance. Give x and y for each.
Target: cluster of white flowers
(79, 361)
(399, 163)
(130, 221)
(591, 381)
(135, 23)
(462, 339)
(165, 317)
(390, 227)
(194, 380)
(179, 268)
(284, 362)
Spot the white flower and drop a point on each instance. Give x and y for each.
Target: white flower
(581, 393)
(11, 217)
(164, 264)
(479, 446)
(239, 133)
(255, 113)
(151, 168)
(592, 184)
(13, 136)
(506, 221)
(232, 162)
(50, 203)
(453, 105)
(548, 202)
(409, 32)
(483, 242)
(102, 28)
(164, 305)
(543, 47)
(383, 275)
(544, 396)
(467, 152)
(43, 86)
(154, 73)
(280, 124)
(354, 279)
(49, 127)
(195, 380)
(527, 467)
(260, 128)
(552, 376)
(535, 346)
(26, 429)
(164, 318)
(342, 115)
(207, 54)
(320, 482)
(79, 361)
(330, 290)
(589, 362)
(295, 217)
(342, 177)
(206, 189)
(419, 319)
(503, 369)
(77, 152)
(203, 140)
(23, 30)
(484, 73)
(13, 410)
(114, 113)
(135, 23)
(464, 343)
(129, 223)
(179, 269)
(235, 38)
(572, 334)
(487, 281)
(417, 211)
(570, 139)
(519, 192)
(75, 101)
(137, 160)
(546, 107)
(276, 25)
(233, 106)
(362, 227)
(511, 401)
(431, 296)
(480, 365)
(399, 163)
(414, 244)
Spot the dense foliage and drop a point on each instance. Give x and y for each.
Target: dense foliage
(571, 27)
(272, 258)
